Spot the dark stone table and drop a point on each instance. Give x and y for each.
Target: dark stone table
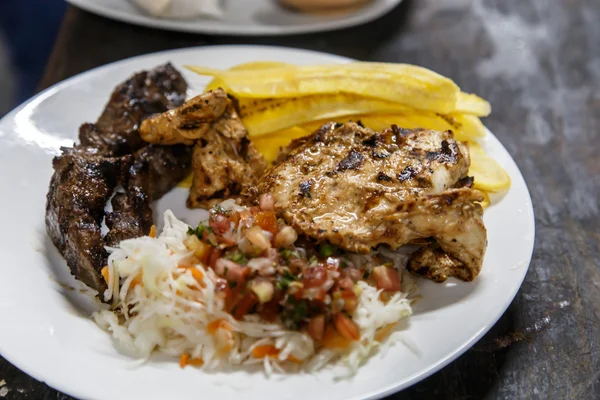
(538, 63)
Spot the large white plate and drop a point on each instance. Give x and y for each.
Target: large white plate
(242, 17)
(45, 328)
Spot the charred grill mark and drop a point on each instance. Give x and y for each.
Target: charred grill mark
(467, 181)
(383, 177)
(354, 160)
(447, 154)
(406, 174)
(189, 126)
(372, 141)
(305, 188)
(449, 198)
(380, 155)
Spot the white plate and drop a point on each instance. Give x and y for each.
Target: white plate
(45, 329)
(242, 17)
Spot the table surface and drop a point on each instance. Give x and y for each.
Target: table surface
(538, 63)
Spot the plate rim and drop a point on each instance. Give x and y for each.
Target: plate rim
(384, 391)
(247, 30)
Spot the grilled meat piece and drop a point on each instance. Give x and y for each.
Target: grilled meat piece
(85, 176)
(81, 185)
(152, 172)
(144, 94)
(187, 123)
(358, 189)
(224, 160)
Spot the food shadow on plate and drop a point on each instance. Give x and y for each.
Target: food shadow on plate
(434, 296)
(80, 298)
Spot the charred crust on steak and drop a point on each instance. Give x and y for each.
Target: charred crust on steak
(111, 153)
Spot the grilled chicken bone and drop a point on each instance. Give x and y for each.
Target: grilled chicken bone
(112, 154)
(359, 189)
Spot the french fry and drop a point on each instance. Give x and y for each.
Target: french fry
(413, 86)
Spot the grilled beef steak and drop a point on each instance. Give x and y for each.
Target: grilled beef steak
(113, 154)
(358, 189)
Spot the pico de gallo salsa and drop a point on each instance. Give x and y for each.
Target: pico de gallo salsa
(264, 268)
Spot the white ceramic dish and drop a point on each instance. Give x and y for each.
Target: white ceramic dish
(45, 326)
(242, 17)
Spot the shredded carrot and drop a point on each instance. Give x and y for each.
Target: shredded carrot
(183, 360)
(384, 332)
(197, 274)
(152, 233)
(268, 350)
(264, 351)
(333, 340)
(104, 273)
(196, 362)
(136, 281)
(218, 324)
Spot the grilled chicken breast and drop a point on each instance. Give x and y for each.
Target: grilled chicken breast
(359, 189)
(224, 160)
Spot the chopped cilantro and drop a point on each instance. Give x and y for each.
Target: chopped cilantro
(295, 313)
(218, 209)
(199, 231)
(284, 280)
(287, 254)
(312, 260)
(238, 257)
(326, 250)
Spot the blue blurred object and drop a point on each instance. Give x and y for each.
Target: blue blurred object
(29, 28)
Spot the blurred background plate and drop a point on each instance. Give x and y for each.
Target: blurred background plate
(242, 17)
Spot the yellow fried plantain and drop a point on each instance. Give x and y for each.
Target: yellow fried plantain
(467, 103)
(285, 113)
(406, 84)
(488, 174)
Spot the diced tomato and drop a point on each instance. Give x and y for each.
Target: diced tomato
(314, 276)
(346, 327)
(346, 284)
(267, 220)
(214, 256)
(266, 202)
(235, 218)
(254, 210)
(316, 327)
(219, 223)
(231, 270)
(227, 241)
(350, 300)
(244, 306)
(387, 278)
